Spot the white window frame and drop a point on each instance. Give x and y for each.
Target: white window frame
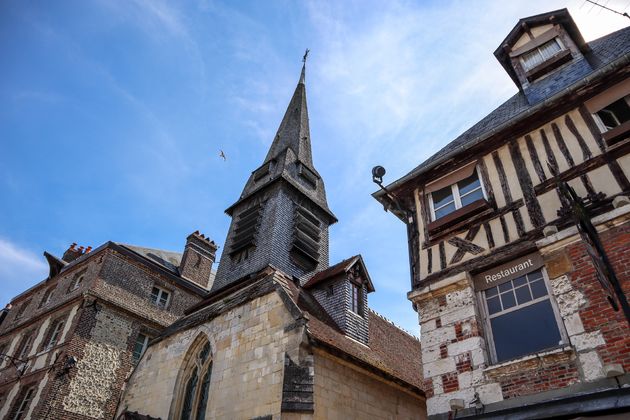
(145, 344)
(55, 334)
(76, 283)
(158, 297)
(600, 124)
(554, 306)
(558, 41)
(457, 199)
(24, 404)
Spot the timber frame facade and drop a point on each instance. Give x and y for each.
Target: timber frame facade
(511, 311)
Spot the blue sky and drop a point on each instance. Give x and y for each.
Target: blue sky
(112, 114)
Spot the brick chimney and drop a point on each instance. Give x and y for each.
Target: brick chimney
(199, 255)
(72, 253)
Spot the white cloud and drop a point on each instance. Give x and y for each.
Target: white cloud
(19, 269)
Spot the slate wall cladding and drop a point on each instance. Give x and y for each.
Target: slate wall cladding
(338, 306)
(273, 240)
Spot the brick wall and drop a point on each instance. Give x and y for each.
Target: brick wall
(456, 361)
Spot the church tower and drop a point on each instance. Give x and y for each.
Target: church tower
(282, 216)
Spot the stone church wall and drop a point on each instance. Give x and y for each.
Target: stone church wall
(248, 349)
(342, 391)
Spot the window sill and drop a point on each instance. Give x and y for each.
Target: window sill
(458, 216)
(617, 134)
(531, 361)
(551, 64)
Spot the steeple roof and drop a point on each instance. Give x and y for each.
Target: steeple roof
(294, 129)
(289, 157)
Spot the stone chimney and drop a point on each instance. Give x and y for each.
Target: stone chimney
(199, 255)
(72, 253)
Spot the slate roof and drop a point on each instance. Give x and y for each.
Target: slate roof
(604, 51)
(339, 268)
(169, 260)
(390, 351)
(389, 348)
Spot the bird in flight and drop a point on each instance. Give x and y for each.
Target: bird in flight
(221, 154)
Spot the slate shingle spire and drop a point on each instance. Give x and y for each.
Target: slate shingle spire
(282, 215)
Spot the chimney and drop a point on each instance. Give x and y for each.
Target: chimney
(72, 253)
(199, 255)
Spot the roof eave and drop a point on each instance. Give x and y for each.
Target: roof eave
(549, 102)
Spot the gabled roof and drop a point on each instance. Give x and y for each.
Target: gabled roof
(562, 17)
(339, 268)
(390, 351)
(608, 53)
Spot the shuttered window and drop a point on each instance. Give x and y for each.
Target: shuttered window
(245, 230)
(541, 54)
(306, 238)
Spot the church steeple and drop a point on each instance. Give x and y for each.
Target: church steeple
(282, 215)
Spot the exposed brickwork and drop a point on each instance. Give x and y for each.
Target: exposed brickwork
(450, 382)
(102, 318)
(597, 314)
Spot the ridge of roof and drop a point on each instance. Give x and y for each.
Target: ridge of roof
(606, 51)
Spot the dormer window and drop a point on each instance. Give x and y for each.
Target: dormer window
(455, 196)
(540, 54)
(356, 304)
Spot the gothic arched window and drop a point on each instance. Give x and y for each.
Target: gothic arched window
(194, 383)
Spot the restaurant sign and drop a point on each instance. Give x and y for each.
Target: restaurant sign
(508, 271)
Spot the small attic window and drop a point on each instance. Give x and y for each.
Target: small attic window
(540, 54)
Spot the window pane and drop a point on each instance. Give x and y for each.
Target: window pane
(468, 184)
(538, 288)
(615, 114)
(154, 294)
(138, 347)
(532, 59)
(549, 49)
(505, 286)
(203, 397)
(494, 305)
(523, 295)
(445, 210)
(508, 300)
(525, 331)
(473, 196)
(191, 387)
(442, 197)
(491, 292)
(519, 281)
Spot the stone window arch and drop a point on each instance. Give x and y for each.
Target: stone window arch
(193, 384)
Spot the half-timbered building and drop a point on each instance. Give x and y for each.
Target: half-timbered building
(514, 321)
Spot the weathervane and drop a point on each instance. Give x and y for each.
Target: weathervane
(305, 56)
